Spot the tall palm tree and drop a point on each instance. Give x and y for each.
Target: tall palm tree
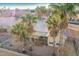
(29, 20)
(20, 31)
(24, 29)
(40, 11)
(52, 25)
(58, 19)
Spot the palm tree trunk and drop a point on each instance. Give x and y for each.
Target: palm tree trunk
(31, 44)
(24, 46)
(54, 50)
(61, 41)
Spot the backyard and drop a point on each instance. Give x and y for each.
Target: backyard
(40, 31)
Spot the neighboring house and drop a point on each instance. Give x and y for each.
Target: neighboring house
(7, 12)
(21, 12)
(15, 12)
(41, 31)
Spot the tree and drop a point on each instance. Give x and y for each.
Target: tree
(57, 22)
(52, 25)
(29, 20)
(40, 11)
(19, 30)
(24, 29)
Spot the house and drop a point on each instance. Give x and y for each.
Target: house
(21, 12)
(7, 12)
(41, 31)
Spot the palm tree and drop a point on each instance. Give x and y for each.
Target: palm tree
(40, 11)
(19, 30)
(29, 20)
(24, 29)
(58, 19)
(52, 25)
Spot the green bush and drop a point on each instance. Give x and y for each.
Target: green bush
(3, 29)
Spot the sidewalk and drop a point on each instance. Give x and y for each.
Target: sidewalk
(5, 52)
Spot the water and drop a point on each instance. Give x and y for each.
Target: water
(7, 21)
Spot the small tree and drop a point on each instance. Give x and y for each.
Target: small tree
(40, 11)
(29, 20)
(24, 29)
(19, 30)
